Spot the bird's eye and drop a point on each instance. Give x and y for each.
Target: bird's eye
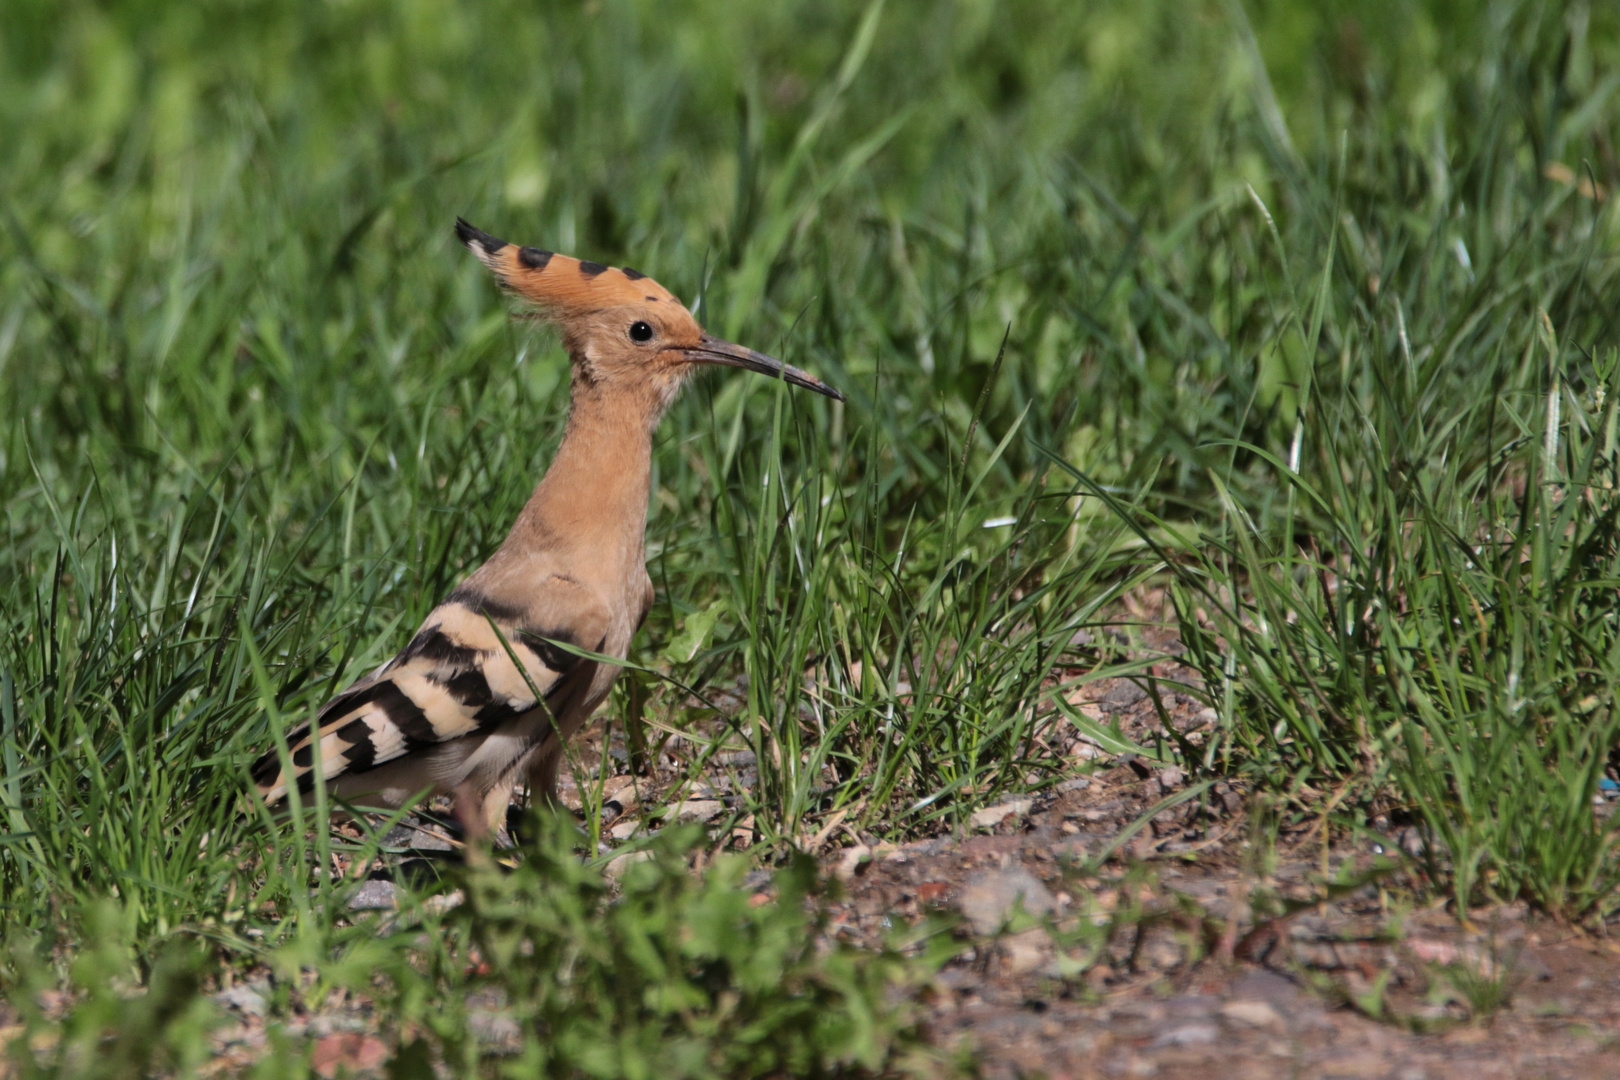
(641, 331)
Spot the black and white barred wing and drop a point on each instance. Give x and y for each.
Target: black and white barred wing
(454, 680)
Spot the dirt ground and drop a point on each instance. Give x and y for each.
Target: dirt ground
(1199, 946)
(1189, 982)
(1204, 940)
(1099, 941)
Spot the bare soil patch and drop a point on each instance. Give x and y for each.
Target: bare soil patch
(1222, 946)
(1193, 981)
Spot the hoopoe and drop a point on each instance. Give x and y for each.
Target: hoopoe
(451, 713)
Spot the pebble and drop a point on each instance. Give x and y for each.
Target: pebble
(989, 898)
(1188, 1035)
(413, 839)
(1028, 951)
(1124, 693)
(374, 895)
(1252, 1014)
(696, 810)
(619, 802)
(620, 863)
(244, 999)
(444, 902)
(1170, 779)
(992, 816)
(852, 857)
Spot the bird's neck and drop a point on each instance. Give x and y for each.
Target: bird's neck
(593, 498)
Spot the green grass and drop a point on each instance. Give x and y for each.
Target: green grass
(670, 975)
(1301, 318)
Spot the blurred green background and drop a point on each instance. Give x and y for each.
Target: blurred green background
(180, 179)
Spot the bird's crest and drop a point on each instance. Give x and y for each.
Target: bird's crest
(557, 284)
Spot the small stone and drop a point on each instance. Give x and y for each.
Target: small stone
(617, 865)
(1077, 783)
(1201, 889)
(1431, 951)
(1028, 951)
(696, 810)
(618, 799)
(1170, 779)
(1193, 1034)
(1252, 1014)
(244, 999)
(1124, 694)
(1162, 952)
(374, 895)
(852, 858)
(444, 902)
(992, 816)
(989, 899)
(1413, 842)
(407, 836)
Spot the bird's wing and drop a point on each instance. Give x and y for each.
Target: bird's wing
(455, 678)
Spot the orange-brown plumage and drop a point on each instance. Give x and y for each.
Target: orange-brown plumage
(559, 284)
(482, 695)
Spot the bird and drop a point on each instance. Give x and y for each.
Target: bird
(493, 682)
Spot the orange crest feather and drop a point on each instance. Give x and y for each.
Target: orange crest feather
(558, 284)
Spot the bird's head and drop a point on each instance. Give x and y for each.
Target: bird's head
(619, 325)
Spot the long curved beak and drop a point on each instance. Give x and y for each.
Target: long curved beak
(712, 350)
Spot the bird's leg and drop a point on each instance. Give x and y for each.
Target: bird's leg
(496, 804)
(544, 765)
(482, 814)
